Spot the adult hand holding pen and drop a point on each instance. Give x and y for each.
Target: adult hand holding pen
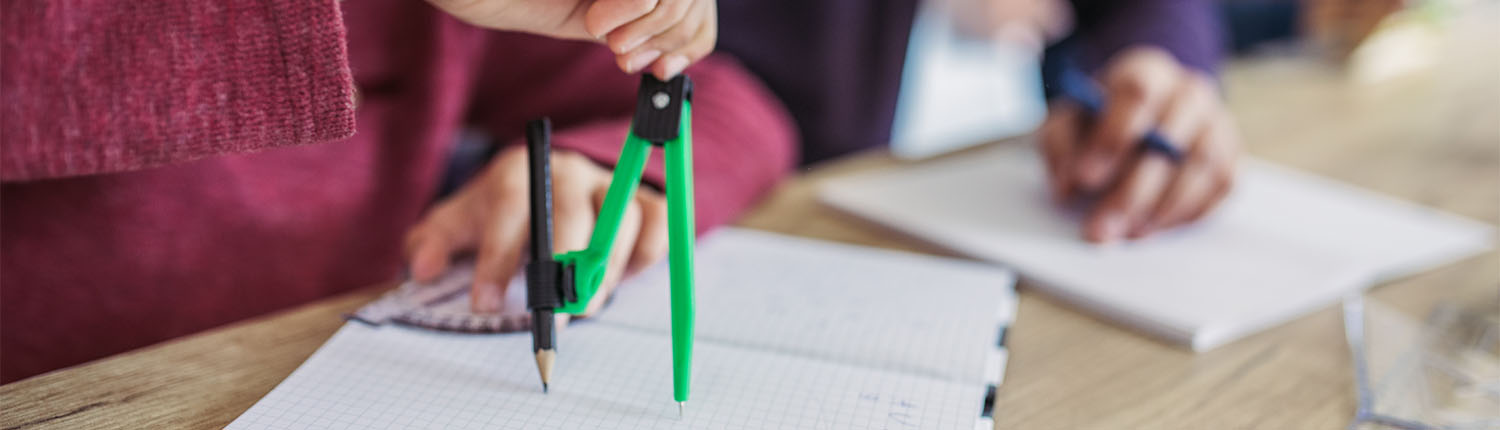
(1139, 193)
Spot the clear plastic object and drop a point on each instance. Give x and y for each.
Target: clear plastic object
(1440, 373)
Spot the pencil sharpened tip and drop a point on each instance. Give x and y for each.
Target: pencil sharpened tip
(544, 359)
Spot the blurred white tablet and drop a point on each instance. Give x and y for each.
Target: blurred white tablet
(958, 91)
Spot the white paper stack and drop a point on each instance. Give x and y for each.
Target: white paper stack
(1282, 244)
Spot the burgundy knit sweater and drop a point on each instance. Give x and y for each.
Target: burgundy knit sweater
(173, 166)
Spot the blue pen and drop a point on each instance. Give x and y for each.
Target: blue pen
(1061, 77)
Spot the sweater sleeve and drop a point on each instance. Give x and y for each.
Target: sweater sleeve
(1189, 29)
(744, 141)
(100, 86)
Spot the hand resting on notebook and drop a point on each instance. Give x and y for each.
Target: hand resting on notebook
(1137, 193)
(489, 216)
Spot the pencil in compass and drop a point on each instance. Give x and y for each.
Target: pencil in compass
(542, 272)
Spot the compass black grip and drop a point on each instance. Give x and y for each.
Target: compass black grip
(658, 108)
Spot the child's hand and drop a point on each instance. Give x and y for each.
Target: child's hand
(1143, 192)
(664, 35)
(490, 215)
(674, 34)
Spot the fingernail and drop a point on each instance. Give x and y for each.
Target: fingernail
(641, 60)
(673, 65)
(486, 298)
(632, 44)
(602, 33)
(1058, 190)
(415, 271)
(424, 270)
(1112, 228)
(1142, 230)
(1081, 169)
(1094, 169)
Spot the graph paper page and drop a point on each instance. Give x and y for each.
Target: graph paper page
(395, 377)
(790, 333)
(864, 306)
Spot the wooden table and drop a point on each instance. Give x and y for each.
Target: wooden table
(1433, 138)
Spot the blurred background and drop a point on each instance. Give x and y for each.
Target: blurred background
(1410, 89)
(1399, 97)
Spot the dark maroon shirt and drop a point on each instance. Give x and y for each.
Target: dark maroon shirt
(837, 63)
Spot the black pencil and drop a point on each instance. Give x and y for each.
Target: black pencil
(541, 273)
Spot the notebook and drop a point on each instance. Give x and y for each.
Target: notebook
(791, 333)
(1282, 244)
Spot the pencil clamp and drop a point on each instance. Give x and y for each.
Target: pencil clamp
(549, 284)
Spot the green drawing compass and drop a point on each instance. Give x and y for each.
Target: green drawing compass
(565, 283)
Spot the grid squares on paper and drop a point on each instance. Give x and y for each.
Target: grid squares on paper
(616, 379)
(886, 309)
(837, 337)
